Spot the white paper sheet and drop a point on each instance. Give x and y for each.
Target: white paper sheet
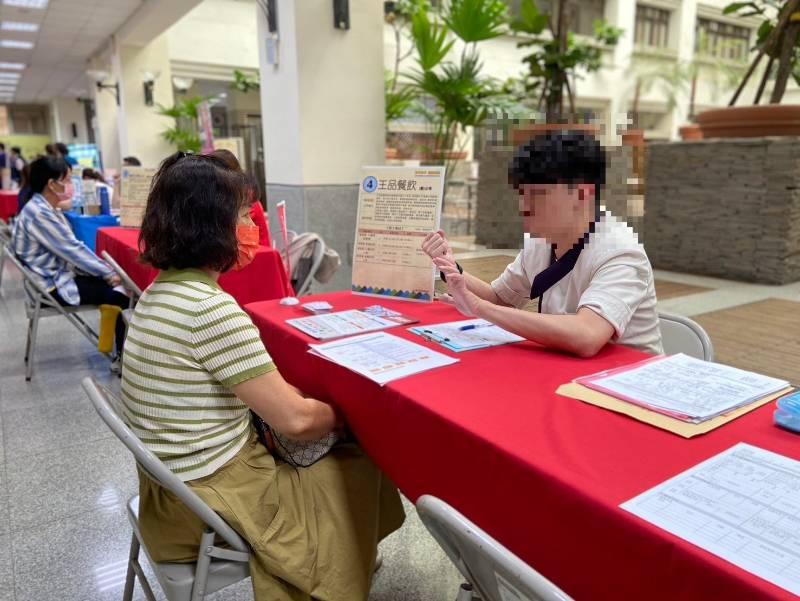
(342, 323)
(742, 505)
(689, 387)
(382, 357)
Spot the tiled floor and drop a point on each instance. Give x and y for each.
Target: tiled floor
(64, 481)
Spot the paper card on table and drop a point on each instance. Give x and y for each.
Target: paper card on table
(342, 323)
(742, 505)
(684, 387)
(134, 190)
(480, 334)
(381, 357)
(397, 207)
(659, 420)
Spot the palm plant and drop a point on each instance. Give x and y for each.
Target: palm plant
(183, 134)
(458, 94)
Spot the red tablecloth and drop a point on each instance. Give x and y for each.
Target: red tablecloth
(542, 473)
(8, 204)
(264, 279)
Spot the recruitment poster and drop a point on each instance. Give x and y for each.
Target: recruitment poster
(397, 207)
(134, 189)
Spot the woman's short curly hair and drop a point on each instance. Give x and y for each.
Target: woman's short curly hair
(191, 215)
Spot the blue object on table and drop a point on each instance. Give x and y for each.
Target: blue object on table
(105, 206)
(86, 226)
(787, 415)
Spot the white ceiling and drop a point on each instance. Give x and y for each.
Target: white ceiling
(70, 31)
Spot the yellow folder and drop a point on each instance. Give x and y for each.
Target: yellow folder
(670, 424)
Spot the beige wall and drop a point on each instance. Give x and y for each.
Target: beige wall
(140, 125)
(323, 106)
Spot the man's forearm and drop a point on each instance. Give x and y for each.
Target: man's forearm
(481, 289)
(568, 333)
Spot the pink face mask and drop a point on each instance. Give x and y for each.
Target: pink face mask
(68, 192)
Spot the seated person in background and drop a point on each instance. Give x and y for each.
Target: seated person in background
(62, 149)
(589, 274)
(131, 162)
(194, 365)
(46, 245)
(256, 210)
(25, 191)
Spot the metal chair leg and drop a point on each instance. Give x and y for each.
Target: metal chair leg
(28, 341)
(130, 579)
(203, 564)
(2, 262)
(32, 350)
(465, 593)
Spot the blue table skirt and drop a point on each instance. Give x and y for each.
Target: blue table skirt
(86, 226)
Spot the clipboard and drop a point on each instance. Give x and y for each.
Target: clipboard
(664, 422)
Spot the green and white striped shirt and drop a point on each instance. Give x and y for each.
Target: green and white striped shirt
(188, 343)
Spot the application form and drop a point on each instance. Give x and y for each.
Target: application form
(742, 505)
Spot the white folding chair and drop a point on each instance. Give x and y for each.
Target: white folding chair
(40, 303)
(492, 572)
(683, 335)
(306, 253)
(127, 282)
(5, 238)
(216, 567)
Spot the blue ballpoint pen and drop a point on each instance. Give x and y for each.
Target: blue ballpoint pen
(474, 326)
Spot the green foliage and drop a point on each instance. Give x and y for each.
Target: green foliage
(554, 61)
(245, 83)
(430, 40)
(476, 20)
(399, 102)
(184, 134)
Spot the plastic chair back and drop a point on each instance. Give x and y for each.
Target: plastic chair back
(106, 406)
(494, 572)
(683, 335)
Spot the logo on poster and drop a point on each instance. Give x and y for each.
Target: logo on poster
(370, 184)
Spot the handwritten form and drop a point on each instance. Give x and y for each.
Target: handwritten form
(343, 323)
(742, 505)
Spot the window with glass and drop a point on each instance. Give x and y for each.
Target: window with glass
(652, 27)
(579, 14)
(722, 40)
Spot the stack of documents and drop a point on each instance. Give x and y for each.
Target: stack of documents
(345, 323)
(466, 335)
(381, 357)
(685, 388)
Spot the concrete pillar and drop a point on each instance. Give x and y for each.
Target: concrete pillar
(686, 20)
(323, 115)
(65, 112)
(622, 13)
(140, 126)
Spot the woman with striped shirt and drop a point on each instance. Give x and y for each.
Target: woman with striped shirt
(194, 366)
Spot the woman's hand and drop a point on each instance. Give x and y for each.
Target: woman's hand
(435, 245)
(465, 301)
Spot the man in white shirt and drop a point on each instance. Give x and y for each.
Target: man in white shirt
(587, 271)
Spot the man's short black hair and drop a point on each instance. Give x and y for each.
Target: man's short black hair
(191, 215)
(43, 169)
(17, 150)
(62, 148)
(2, 147)
(131, 162)
(562, 157)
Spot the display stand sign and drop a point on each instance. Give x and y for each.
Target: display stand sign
(134, 190)
(397, 207)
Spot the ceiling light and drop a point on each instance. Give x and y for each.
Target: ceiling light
(14, 66)
(16, 44)
(17, 26)
(13, 76)
(26, 3)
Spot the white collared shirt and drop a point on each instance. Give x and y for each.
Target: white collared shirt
(612, 277)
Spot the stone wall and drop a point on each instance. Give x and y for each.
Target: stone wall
(497, 220)
(725, 208)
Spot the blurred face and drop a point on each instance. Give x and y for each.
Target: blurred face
(556, 211)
